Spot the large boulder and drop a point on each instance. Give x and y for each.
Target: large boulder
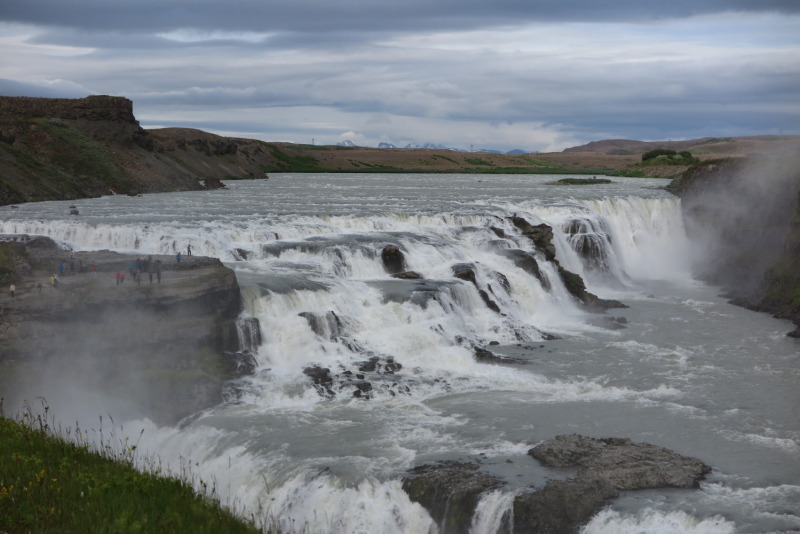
(450, 492)
(624, 463)
(607, 466)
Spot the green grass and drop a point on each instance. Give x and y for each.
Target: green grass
(628, 174)
(77, 155)
(582, 181)
(445, 157)
(287, 163)
(479, 161)
(57, 482)
(542, 163)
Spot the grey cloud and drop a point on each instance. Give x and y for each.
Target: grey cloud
(361, 15)
(57, 89)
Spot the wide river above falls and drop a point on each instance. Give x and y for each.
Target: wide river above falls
(688, 372)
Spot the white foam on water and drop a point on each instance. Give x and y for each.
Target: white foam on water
(650, 521)
(323, 264)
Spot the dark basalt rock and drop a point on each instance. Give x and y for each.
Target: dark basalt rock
(527, 263)
(239, 364)
(608, 465)
(560, 507)
(407, 275)
(328, 326)
(449, 491)
(483, 355)
(319, 375)
(393, 260)
(541, 235)
(591, 302)
(624, 463)
(499, 232)
(467, 273)
(214, 183)
(363, 389)
(374, 364)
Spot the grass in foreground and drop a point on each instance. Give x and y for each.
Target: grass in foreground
(51, 485)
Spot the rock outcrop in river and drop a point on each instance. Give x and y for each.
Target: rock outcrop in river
(165, 348)
(542, 237)
(450, 491)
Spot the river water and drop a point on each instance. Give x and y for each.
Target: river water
(689, 372)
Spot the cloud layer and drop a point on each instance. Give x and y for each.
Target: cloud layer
(505, 75)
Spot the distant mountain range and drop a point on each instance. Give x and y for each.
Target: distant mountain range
(434, 146)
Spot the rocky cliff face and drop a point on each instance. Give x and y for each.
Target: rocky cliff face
(58, 149)
(742, 213)
(163, 349)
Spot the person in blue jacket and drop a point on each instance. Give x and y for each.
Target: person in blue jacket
(178, 257)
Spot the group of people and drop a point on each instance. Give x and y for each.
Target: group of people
(139, 267)
(136, 269)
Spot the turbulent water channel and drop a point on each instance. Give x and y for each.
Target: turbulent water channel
(689, 372)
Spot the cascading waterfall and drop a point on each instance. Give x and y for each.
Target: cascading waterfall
(323, 299)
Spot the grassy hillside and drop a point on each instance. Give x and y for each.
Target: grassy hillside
(50, 485)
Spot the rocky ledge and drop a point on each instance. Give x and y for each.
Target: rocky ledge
(451, 490)
(166, 348)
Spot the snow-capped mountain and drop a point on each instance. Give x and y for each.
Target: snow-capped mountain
(432, 146)
(346, 142)
(386, 145)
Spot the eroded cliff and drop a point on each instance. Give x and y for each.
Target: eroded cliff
(59, 149)
(744, 216)
(162, 350)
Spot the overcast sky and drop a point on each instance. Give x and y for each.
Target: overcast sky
(535, 75)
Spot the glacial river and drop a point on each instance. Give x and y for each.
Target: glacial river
(689, 372)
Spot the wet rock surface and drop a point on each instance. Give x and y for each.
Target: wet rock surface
(540, 234)
(407, 275)
(607, 466)
(450, 492)
(625, 464)
(468, 273)
(542, 237)
(393, 260)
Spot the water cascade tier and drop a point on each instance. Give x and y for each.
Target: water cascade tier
(408, 320)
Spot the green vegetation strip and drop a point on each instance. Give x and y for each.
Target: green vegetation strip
(582, 181)
(51, 485)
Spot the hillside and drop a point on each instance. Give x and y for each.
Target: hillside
(59, 149)
(715, 146)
